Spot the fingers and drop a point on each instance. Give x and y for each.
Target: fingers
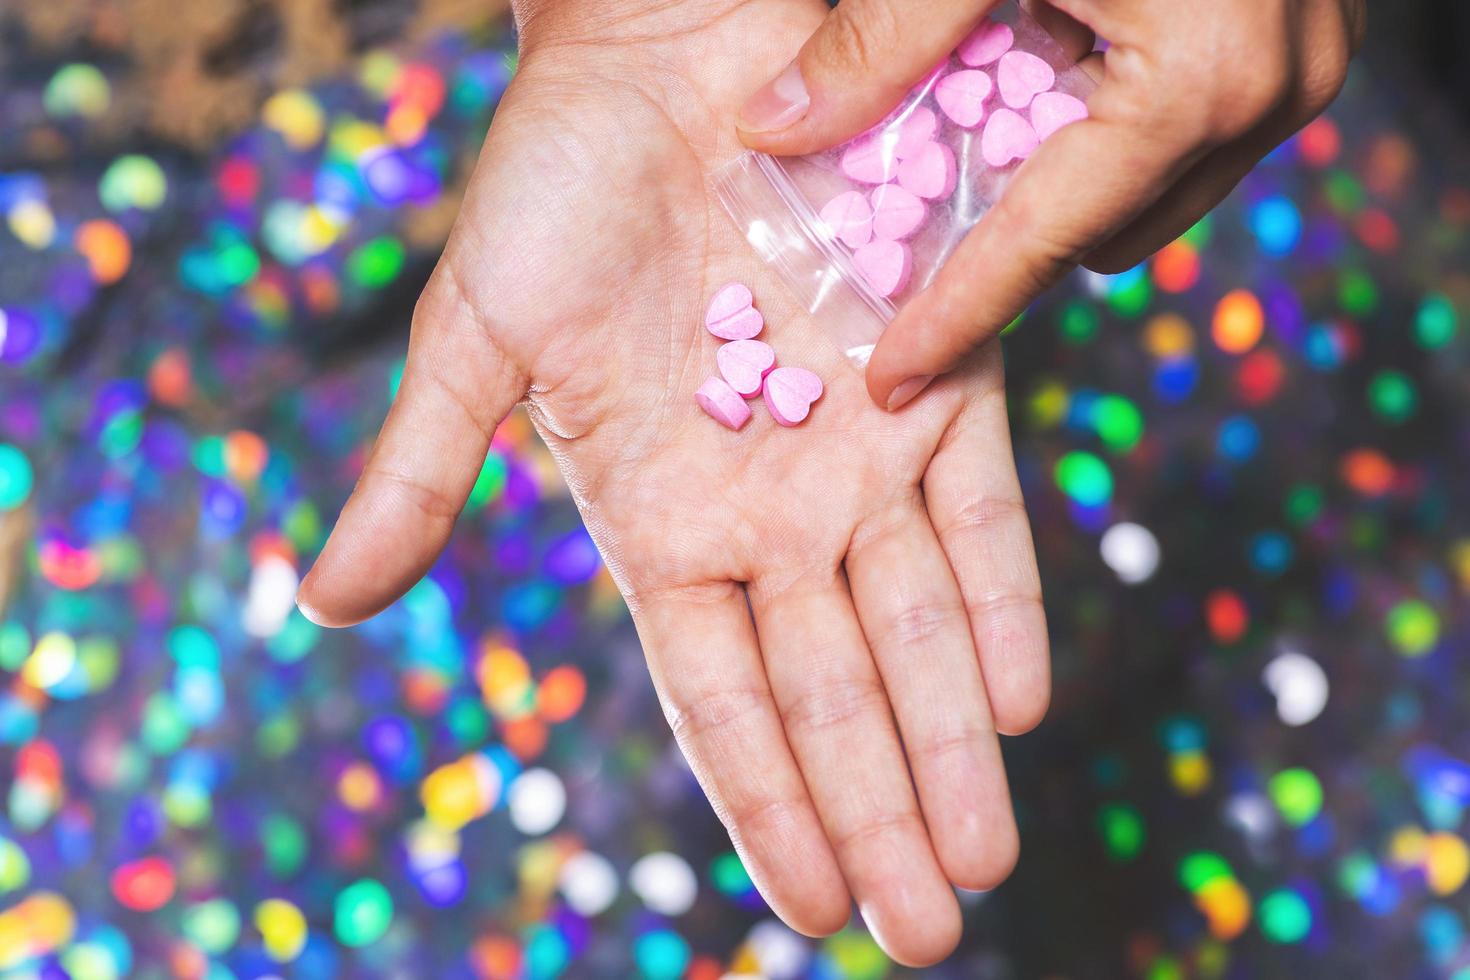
(851, 73)
(975, 505)
(838, 722)
(456, 388)
(1163, 105)
(914, 617)
(1334, 33)
(706, 666)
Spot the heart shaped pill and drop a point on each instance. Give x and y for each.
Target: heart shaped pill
(962, 96)
(849, 218)
(931, 173)
(871, 160)
(885, 265)
(986, 43)
(722, 403)
(896, 212)
(1021, 77)
(730, 315)
(914, 130)
(789, 393)
(744, 364)
(1007, 137)
(1050, 111)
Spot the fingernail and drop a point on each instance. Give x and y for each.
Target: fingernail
(905, 392)
(312, 616)
(782, 102)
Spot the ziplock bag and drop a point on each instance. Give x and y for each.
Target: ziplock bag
(856, 230)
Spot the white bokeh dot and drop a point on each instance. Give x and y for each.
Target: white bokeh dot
(589, 883)
(1131, 551)
(781, 953)
(665, 882)
(537, 801)
(1300, 686)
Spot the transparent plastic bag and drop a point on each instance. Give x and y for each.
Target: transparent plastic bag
(856, 230)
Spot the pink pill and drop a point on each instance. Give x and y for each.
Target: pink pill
(1021, 77)
(914, 130)
(789, 393)
(896, 212)
(744, 364)
(730, 315)
(1050, 111)
(885, 265)
(962, 96)
(870, 160)
(1007, 137)
(986, 43)
(849, 218)
(930, 173)
(722, 403)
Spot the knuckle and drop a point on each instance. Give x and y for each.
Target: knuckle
(727, 711)
(410, 492)
(920, 623)
(874, 826)
(996, 612)
(983, 515)
(857, 37)
(932, 747)
(834, 704)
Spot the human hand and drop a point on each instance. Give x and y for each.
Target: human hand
(1192, 96)
(811, 600)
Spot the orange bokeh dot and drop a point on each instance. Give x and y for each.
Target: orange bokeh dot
(1176, 267)
(38, 761)
(496, 958)
(525, 737)
(170, 378)
(1368, 471)
(1226, 615)
(144, 885)
(106, 249)
(245, 455)
(1239, 322)
(561, 693)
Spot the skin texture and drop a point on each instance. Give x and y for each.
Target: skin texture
(838, 618)
(1192, 96)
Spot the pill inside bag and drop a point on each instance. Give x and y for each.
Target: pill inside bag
(929, 171)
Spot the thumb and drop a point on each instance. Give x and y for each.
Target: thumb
(853, 71)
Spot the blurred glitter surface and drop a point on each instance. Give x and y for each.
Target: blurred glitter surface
(1245, 461)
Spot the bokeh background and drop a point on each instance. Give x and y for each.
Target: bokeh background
(1247, 462)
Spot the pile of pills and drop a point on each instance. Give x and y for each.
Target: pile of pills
(1004, 92)
(748, 366)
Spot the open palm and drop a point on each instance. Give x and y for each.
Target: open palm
(817, 603)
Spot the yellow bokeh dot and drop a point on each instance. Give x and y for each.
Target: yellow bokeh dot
(1239, 322)
(1460, 559)
(282, 927)
(505, 682)
(1446, 862)
(1226, 907)
(1168, 336)
(1407, 846)
(461, 791)
(33, 223)
(1190, 772)
(359, 788)
(1048, 404)
(297, 116)
(50, 662)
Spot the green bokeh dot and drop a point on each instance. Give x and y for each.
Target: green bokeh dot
(16, 477)
(1285, 917)
(1413, 627)
(1202, 867)
(1436, 323)
(1119, 423)
(1122, 830)
(363, 912)
(1303, 504)
(1085, 478)
(1392, 396)
(1297, 793)
(729, 875)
